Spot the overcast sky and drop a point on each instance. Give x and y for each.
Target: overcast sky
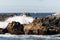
(29, 6)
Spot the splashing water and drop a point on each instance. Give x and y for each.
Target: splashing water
(22, 19)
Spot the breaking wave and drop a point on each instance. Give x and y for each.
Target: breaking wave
(24, 20)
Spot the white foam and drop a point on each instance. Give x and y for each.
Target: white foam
(3, 24)
(22, 19)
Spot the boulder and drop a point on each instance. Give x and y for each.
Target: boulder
(15, 28)
(35, 27)
(53, 30)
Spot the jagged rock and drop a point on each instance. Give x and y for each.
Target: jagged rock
(52, 25)
(51, 22)
(36, 20)
(35, 27)
(53, 30)
(15, 28)
(48, 25)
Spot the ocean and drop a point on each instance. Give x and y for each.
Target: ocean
(40, 15)
(30, 37)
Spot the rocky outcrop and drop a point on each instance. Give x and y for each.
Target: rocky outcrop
(52, 24)
(49, 25)
(15, 28)
(47, 21)
(46, 26)
(52, 30)
(35, 27)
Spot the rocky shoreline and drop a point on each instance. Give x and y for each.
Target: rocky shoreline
(49, 25)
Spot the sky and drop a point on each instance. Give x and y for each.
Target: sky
(17, 6)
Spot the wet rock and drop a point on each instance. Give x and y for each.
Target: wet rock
(35, 27)
(53, 30)
(1, 31)
(37, 30)
(52, 25)
(15, 28)
(45, 26)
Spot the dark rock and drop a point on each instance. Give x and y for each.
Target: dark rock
(1, 31)
(15, 28)
(5, 30)
(53, 30)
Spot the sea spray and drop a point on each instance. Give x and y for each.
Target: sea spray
(22, 19)
(3, 24)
